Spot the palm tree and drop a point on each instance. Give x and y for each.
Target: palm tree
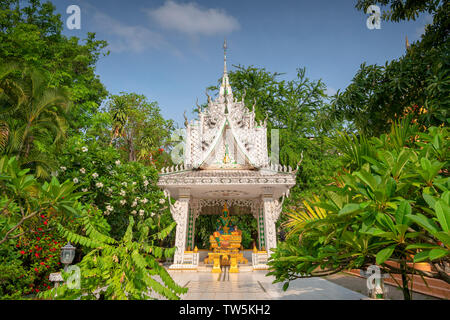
(299, 217)
(11, 95)
(32, 114)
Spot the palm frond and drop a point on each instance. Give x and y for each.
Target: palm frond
(298, 218)
(352, 148)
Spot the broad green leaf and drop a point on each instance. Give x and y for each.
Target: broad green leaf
(385, 254)
(400, 214)
(402, 159)
(422, 246)
(444, 237)
(367, 178)
(349, 208)
(438, 253)
(443, 214)
(386, 221)
(426, 164)
(424, 222)
(374, 231)
(430, 200)
(422, 256)
(446, 197)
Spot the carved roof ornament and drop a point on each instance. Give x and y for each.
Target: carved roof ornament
(225, 88)
(226, 137)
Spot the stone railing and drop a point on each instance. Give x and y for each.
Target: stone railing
(190, 261)
(259, 260)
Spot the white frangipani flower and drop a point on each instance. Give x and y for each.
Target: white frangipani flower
(95, 175)
(134, 204)
(144, 201)
(117, 162)
(133, 212)
(146, 183)
(84, 190)
(141, 212)
(84, 149)
(124, 184)
(83, 170)
(122, 192)
(63, 168)
(162, 201)
(134, 183)
(152, 214)
(99, 185)
(75, 180)
(123, 201)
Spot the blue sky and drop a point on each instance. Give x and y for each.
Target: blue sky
(171, 50)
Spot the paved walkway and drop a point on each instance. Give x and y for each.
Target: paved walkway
(256, 286)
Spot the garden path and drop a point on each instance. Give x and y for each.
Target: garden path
(256, 286)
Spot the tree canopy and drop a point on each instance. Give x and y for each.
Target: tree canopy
(417, 82)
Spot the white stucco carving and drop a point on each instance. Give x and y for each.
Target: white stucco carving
(179, 211)
(272, 210)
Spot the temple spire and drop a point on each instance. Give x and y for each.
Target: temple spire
(225, 56)
(225, 88)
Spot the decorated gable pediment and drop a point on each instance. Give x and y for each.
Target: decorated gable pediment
(226, 134)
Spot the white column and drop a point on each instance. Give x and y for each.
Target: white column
(257, 215)
(194, 207)
(196, 214)
(179, 212)
(272, 210)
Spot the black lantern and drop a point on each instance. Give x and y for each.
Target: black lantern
(67, 254)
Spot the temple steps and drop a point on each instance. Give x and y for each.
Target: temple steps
(208, 268)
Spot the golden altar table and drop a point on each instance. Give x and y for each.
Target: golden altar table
(227, 253)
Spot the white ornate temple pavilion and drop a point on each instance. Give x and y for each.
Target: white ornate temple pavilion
(225, 161)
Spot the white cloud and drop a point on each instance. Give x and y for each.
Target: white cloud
(421, 30)
(129, 38)
(330, 91)
(192, 19)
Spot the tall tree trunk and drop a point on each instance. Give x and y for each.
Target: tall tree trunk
(131, 151)
(28, 147)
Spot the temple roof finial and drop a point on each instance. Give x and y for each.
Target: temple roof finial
(225, 55)
(225, 88)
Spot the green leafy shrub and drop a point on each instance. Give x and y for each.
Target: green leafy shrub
(30, 211)
(119, 269)
(117, 189)
(392, 210)
(15, 281)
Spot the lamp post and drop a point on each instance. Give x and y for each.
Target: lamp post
(67, 255)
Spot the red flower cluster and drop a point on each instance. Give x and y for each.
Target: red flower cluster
(37, 253)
